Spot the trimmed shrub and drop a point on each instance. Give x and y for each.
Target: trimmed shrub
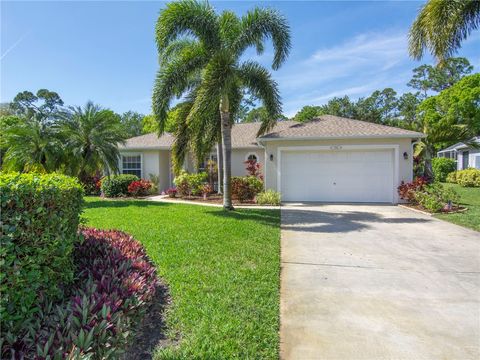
(117, 185)
(139, 188)
(434, 197)
(442, 167)
(114, 284)
(39, 220)
(269, 197)
(452, 177)
(244, 188)
(466, 178)
(190, 184)
(406, 191)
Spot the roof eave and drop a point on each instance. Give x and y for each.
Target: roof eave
(393, 136)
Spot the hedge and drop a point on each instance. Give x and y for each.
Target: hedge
(466, 178)
(117, 185)
(442, 167)
(39, 221)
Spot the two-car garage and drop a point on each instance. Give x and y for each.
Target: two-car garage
(337, 175)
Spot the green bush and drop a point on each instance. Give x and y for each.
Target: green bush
(39, 220)
(190, 184)
(468, 177)
(442, 167)
(245, 188)
(452, 177)
(435, 196)
(117, 185)
(269, 197)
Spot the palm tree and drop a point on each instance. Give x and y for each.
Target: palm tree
(91, 136)
(441, 26)
(32, 145)
(194, 42)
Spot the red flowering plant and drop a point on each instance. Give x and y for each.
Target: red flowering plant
(140, 187)
(172, 192)
(407, 191)
(207, 189)
(253, 168)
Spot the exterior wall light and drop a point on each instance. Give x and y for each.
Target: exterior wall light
(405, 155)
(271, 157)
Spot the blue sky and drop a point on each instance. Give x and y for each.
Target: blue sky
(105, 51)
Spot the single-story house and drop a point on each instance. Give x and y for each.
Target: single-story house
(330, 158)
(464, 155)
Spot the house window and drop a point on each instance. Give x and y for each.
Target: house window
(132, 164)
(252, 157)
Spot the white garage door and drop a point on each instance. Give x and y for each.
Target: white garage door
(337, 176)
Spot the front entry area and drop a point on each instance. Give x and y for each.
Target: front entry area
(338, 175)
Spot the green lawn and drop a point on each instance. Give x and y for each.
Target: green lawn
(469, 197)
(222, 270)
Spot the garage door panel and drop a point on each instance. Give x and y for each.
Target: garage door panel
(344, 176)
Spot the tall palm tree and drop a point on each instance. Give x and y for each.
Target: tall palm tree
(91, 136)
(441, 26)
(211, 46)
(32, 145)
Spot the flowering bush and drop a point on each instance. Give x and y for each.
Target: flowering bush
(244, 188)
(172, 192)
(466, 178)
(114, 283)
(190, 184)
(117, 185)
(406, 191)
(253, 168)
(140, 187)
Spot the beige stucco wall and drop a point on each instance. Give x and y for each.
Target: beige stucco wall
(239, 156)
(155, 162)
(405, 167)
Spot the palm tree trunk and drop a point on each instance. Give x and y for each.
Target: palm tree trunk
(220, 167)
(226, 129)
(428, 171)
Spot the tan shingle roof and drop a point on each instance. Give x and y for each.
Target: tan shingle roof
(245, 135)
(329, 126)
(149, 141)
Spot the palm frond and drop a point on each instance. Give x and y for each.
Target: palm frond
(188, 17)
(173, 79)
(441, 26)
(258, 80)
(260, 24)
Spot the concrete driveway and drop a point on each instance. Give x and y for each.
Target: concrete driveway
(377, 282)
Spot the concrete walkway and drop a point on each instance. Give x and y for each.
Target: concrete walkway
(377, 282)
(167, 199)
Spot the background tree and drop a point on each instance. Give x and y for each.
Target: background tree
(260, 114)
(380, 107)
(91, 135)
(437, 78)
(449, 117)
(44, 105)
(307, 113)
(339, 106)
(215, 51)
(441, 26)
(132, 123)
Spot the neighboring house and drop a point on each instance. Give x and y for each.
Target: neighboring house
(464, 155)
(329, 159)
